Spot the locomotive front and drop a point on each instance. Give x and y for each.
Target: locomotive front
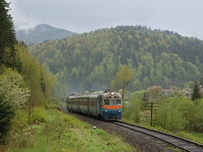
(111, 106)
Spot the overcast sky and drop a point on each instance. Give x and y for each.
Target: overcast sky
(181, 16)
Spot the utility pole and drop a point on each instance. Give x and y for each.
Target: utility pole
(151, 113)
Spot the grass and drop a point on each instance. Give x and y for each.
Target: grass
(197, 135)
(194, 136)
(65, 133)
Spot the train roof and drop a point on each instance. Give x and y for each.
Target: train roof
(84, 96)
(95, 94)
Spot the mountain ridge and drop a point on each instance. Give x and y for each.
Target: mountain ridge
(40, 33)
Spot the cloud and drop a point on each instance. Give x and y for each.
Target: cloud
(87, 15)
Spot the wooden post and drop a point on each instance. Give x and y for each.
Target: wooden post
(151, 113)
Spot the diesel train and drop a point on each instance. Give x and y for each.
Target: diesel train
(106, 105)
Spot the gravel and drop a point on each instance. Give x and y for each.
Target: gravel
(142, 142)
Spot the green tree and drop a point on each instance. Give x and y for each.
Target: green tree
(132, 109)
(196, 92)
(186, 107)
(138, 94)
(189, 84)
(7, 36)
(32, 74)
(42, 84)
(98, 74)
(123, 78)
(168, 116)
(114, 84)
(154, 93)
(6, 114)
(196, 116)
(146, 82)
(137, 85)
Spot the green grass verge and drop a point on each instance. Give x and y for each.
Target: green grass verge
(65, 133)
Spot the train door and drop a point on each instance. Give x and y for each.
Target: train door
(88, 105)
(68, 102)
(71, 104)
(78, 105)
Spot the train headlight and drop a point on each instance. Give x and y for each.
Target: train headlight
(106, 111)
(112, 93)
(119, 111)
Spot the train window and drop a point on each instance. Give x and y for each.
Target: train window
(118, 102)
(112, 102)
(106, 102)
(115, 102)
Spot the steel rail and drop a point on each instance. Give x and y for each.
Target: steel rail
(181, 143)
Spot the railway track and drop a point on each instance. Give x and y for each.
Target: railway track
(142, 138)
(183, 144)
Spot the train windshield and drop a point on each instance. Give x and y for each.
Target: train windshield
(112, 102)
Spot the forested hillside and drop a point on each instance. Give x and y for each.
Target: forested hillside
(91, 60)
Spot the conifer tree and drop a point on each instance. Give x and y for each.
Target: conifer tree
(6, 114)
(145, 96)
(7, 36)
(196, 92)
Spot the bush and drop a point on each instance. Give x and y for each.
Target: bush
(196, 117)
(20, 120)
(39, 114)
(169, 116)
(131, 110)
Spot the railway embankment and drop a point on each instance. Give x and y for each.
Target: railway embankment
(62, 132)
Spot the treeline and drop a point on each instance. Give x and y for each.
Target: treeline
(91, 60)
(24, 83)
(174, 112)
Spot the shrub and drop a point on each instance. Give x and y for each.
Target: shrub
(131, 110)
(168, 116)
(39, 114)
(20, 120)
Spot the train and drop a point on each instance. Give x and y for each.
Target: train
(106, 105)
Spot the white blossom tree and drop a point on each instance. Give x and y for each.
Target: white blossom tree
(11, 88)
